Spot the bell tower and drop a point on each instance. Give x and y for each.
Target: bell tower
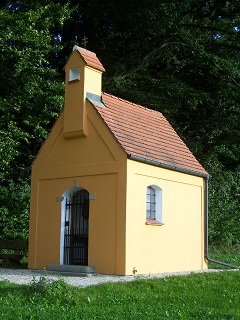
(83, 76)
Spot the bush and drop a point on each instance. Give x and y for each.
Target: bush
(14, 211)
(224, 205)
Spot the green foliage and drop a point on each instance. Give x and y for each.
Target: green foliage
(31, 93)
(48, 286)
(224, 204)
(196, 296)
(14, 211)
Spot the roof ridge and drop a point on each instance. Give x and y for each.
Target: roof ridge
(90, 58)
(81, 49)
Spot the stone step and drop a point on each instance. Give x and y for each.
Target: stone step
(71, 270)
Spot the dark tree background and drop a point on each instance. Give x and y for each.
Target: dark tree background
(179, 57)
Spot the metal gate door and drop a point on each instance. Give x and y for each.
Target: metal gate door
(76, 228)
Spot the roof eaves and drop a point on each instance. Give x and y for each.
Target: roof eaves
(166, 166)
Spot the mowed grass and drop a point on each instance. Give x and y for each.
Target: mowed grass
(212, 296)
(230, 255)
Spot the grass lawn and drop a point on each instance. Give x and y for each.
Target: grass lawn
(212, 296)
(196, 296)
(227, 254)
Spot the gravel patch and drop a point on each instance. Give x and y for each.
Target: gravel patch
(25, 276)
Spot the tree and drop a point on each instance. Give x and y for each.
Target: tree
(224, 204)
(31, 95)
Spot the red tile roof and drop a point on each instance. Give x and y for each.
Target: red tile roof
(147, 136)
(90, 58)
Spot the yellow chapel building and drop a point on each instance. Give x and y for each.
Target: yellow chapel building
(113, 186)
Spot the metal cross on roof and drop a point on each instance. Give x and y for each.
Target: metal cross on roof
(85, 41)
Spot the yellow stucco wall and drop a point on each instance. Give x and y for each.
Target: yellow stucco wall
(178, 245)
(99, 165)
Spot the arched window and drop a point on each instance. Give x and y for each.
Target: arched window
(154, 205)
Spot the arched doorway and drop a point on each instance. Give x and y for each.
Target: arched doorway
(75, 222)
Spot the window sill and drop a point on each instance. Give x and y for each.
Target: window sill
(73, 80)
(150, 222)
